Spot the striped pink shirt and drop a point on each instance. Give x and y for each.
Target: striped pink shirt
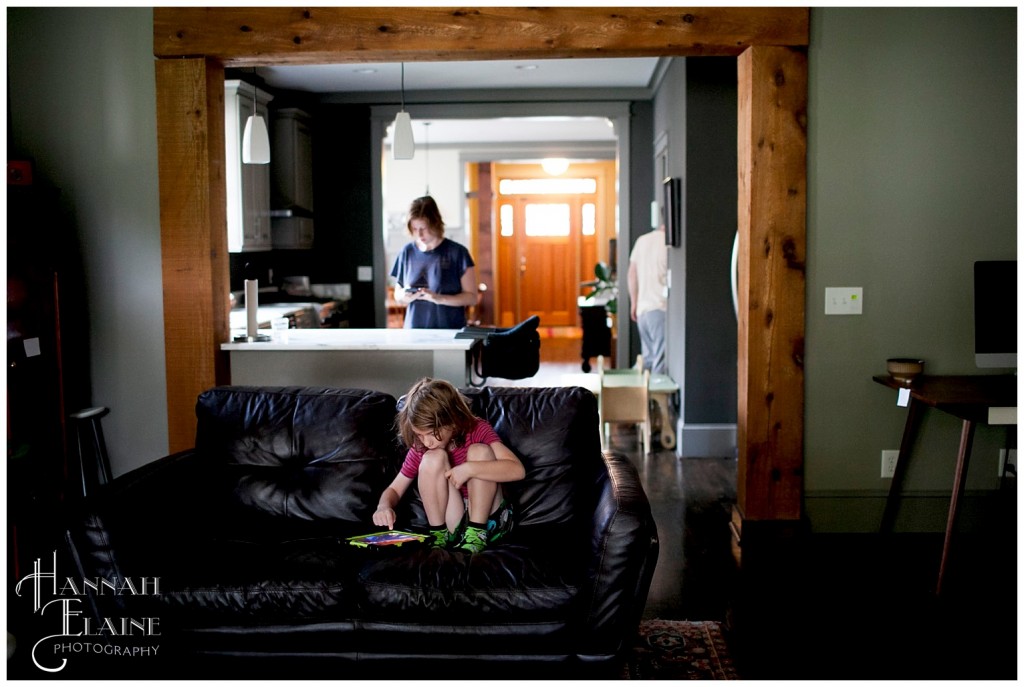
(482, 433)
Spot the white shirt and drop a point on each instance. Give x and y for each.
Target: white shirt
(650, 255)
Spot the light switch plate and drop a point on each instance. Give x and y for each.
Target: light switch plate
(844, 300)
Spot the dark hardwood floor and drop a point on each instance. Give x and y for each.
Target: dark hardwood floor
(798, 605)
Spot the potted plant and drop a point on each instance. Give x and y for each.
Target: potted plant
(605, 291)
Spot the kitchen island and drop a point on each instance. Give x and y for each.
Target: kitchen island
(388, 360)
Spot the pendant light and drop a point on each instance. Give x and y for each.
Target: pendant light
(255, 139)
(402, 144)
(426, 156)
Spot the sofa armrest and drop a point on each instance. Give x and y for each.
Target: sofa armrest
(624, 550)
(94, 525)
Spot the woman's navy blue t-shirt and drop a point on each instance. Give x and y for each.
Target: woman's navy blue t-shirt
(439, 270)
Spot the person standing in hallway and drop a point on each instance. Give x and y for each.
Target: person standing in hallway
(436, 277)
(648, 292)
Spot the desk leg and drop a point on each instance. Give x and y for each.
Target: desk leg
(668, 430)
(909, 432)
(962, 458)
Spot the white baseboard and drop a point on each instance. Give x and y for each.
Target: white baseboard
(705, 440)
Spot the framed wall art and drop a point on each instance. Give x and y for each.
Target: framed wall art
(673, 212)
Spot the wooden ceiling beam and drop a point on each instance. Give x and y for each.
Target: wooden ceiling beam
(259, 36)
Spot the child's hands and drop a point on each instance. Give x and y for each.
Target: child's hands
(459, 475)
(384, 517)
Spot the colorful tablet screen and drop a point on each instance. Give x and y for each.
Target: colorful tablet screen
(389, 538)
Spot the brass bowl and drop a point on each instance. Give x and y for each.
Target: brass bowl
(904, 369)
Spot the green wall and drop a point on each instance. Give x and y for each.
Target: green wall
(911, 178)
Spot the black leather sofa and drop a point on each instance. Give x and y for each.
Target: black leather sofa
(245, 538)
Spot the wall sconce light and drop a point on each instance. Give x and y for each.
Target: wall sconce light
(403, 147)
(255, 139)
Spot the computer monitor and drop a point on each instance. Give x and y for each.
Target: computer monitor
(995, 313)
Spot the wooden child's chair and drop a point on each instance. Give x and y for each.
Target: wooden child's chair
(625, 397)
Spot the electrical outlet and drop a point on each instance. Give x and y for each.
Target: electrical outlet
(1012, 472)
(889, 459)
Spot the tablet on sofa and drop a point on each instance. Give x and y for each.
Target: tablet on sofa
(388, 538)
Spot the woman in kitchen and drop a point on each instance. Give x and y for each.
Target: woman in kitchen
(436, 277)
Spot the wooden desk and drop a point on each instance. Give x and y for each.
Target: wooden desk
(968, 397)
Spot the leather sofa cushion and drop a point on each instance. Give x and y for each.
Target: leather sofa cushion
(554, 433)
(300, 453)
(531, 577)
(220, 581)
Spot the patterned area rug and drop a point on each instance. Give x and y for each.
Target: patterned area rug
(679, 650)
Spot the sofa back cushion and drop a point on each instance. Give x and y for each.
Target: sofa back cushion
(299, 453)
(554, 432)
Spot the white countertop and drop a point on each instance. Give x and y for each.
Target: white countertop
(359, 340)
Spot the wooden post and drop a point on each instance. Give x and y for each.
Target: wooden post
(772, 138)
(193, 236)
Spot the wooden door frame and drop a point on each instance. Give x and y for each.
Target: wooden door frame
(605, 200)
(193, 45)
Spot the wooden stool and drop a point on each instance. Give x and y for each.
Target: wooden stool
(93, 462)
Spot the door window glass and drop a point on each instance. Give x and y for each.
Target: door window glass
(589, 219)
(505, 220)
(536, 186)
(547, 219)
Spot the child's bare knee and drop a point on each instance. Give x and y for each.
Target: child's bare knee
(434, 461)
(480, 452)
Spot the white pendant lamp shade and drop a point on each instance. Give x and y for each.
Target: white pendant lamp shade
(402, 144)
(255, 141)
(403, 147)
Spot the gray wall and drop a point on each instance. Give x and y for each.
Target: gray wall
(695, 111)
(90, 126)
(710, 226)
(912, 149)
(641, 181)
(670, 131)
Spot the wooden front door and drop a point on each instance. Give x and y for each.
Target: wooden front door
(544, 242)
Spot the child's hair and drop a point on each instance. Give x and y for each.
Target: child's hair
(432, 404)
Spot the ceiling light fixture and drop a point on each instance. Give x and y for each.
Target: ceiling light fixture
(255, 139)
(555, 166)
(402, 144)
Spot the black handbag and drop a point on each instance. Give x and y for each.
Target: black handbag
(509, 353)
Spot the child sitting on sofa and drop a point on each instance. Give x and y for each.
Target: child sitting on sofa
(458, 462)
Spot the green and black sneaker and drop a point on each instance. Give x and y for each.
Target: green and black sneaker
(442, 537)
(474, 540)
